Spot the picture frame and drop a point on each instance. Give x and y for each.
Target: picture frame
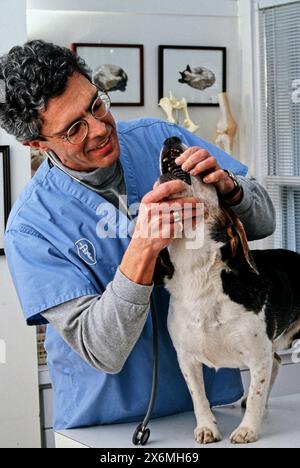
(5, 192)
(117, 68)
(196, 73)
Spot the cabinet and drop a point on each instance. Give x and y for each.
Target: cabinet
(46, 408)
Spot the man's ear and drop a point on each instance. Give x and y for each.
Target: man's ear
(36, 144)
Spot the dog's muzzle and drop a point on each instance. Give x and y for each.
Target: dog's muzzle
(172, 148)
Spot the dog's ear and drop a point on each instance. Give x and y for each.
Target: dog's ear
(237, 236)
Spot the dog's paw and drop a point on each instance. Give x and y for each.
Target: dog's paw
(207, 435)
(244, 435)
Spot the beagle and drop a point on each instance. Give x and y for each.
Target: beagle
(229, 307)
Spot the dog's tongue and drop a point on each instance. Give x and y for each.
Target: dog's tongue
(172, 148)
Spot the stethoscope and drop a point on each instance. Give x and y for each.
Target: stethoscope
(142, 432)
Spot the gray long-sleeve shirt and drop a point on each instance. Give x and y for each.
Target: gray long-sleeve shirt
(103, 329)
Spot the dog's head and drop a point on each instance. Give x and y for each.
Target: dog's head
(169, 170)
(220, 223)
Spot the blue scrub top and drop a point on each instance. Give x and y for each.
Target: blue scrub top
(56, 253)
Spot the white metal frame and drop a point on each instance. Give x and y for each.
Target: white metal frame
(271, 3)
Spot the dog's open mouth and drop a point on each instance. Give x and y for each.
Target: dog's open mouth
(172, 148)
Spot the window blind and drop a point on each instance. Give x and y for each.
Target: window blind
(280, 90)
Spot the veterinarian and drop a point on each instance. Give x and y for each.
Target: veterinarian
(94, 289)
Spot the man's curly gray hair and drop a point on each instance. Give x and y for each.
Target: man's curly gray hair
(32, 74)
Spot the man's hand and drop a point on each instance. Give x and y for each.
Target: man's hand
(196, 161)
(156, 226)
(159, 217)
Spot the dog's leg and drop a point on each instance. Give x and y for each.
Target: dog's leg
(275, 370)
(249, 428)
(206, 431)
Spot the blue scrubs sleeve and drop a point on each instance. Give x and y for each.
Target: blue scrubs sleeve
(42, 276)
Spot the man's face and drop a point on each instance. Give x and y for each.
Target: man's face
(73, 105)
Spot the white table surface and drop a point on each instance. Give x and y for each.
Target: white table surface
(281, 429)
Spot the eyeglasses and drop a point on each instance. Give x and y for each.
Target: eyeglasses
(78, 132)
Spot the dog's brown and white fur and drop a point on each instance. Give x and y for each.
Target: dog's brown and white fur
(210, 323)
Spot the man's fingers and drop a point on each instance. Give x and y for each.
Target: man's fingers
(166, 221)
(164, 190)
(209, 164)
(191, 156)
(215, 177)
(175, 205)
(188, 214)
(186, 155)
(179, 203)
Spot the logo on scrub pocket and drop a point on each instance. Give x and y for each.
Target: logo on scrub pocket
(86, 251)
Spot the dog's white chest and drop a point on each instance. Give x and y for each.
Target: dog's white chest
(203, 321)
(207, 339)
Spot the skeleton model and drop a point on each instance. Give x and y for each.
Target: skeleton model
(169, 104)
(227, 127)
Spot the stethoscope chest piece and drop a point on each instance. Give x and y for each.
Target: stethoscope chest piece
(141, 435)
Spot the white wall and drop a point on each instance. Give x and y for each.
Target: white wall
(193, 22)
(188, 7)
(19, 406)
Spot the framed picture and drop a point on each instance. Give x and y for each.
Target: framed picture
(118, 69)
(196, 73)
(5, 192)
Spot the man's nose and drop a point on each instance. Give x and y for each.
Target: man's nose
(96, 126)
